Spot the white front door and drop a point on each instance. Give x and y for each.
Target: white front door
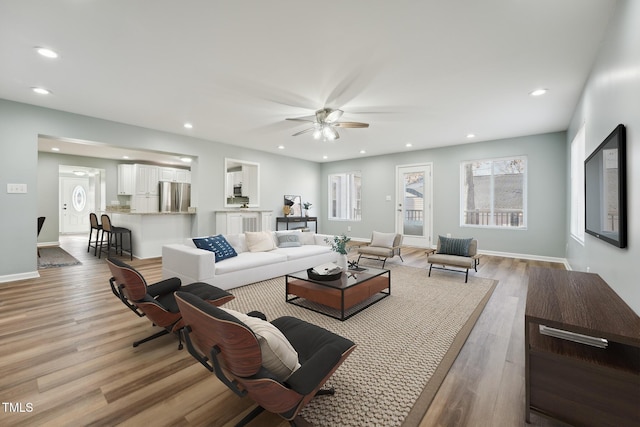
(74, 201)
(413, 203)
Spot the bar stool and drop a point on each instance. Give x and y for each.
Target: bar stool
(93, 222)
(115, 232)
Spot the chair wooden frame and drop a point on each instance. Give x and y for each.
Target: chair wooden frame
(228, 348)
(128, 285)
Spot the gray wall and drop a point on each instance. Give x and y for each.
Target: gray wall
(612, 96)
(20, 125)
(546, 231)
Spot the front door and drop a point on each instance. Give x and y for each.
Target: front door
(413, 202)
(74, 201)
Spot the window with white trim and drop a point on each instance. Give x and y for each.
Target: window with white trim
(577, 185)
(493, 193)
(345, 196)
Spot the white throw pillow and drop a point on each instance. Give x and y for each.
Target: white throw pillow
(238, 242)
(260, 241)
(278, 355)
(306, 238)
(384, 240)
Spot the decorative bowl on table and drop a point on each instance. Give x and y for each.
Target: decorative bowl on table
(323, 277)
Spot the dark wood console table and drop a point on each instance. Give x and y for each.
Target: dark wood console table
(577, 383)
(297, 219)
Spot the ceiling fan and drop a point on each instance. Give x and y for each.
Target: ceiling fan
(325, 121)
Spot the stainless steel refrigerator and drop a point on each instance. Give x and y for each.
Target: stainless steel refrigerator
(174, 196)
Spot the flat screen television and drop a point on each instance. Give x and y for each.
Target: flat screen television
(605, 189)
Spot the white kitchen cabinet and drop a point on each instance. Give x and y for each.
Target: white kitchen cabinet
(146, 180)
(125, 180)
(183, 175)
(174, 175)
(167, 174)
(241, 221)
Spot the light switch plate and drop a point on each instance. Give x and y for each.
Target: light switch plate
(17, 188)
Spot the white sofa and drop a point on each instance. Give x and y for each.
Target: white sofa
(191, 264)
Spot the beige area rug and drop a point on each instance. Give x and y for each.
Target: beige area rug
(55, 257)
(406, 344)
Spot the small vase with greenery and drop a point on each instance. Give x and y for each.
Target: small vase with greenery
(306, 206)
(338, 243)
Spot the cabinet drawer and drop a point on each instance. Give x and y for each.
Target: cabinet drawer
(583, 393)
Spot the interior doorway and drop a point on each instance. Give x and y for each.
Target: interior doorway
(414, 204)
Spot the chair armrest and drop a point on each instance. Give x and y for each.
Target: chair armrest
(165, 286)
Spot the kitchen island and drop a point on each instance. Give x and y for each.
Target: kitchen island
(150, 231)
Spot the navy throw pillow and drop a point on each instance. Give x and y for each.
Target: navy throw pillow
(453, 246)
(216, 244)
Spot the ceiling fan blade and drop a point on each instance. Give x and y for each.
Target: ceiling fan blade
(304, 131)
(351, 125)
(303, 119)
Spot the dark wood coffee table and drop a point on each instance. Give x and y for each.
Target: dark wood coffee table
(341, 298)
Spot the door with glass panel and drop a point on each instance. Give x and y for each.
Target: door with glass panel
(413, 204)
(75, 206)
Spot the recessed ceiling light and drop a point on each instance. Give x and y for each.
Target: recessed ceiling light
(125, 157)
(408, 144)
(363, 152)
(41, 90)
(325, 157)
(55, 149)
(471, 135)
(188, 126)
(186, 159)
(538, 92)
(280, 147)
(47, 53)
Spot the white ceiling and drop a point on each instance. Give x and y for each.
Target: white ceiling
(422, 72)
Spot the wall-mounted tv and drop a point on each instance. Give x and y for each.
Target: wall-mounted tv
(605, 187)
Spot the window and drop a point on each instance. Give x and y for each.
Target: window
(493, 192)
(345, 196)
(78, 198)
(577, 185)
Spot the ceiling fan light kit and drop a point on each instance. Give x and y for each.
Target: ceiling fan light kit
(325, 123)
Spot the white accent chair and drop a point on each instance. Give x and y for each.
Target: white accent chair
(382, 247)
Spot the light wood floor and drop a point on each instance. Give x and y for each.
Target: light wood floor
(66, 353)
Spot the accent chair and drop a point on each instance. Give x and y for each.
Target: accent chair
(281, 364)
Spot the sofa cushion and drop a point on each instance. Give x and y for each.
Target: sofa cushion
(278, 355)
(303, 251)
(382, 240)
(454, 246)
(260, 241)
(216, 244)
(248, 260)
(288, 240)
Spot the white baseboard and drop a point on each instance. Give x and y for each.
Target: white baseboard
(48, 244)
(19, 276)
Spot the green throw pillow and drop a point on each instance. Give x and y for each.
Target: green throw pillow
(453, 246)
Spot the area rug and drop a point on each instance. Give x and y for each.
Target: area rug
(55, 257)
(406, 344)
